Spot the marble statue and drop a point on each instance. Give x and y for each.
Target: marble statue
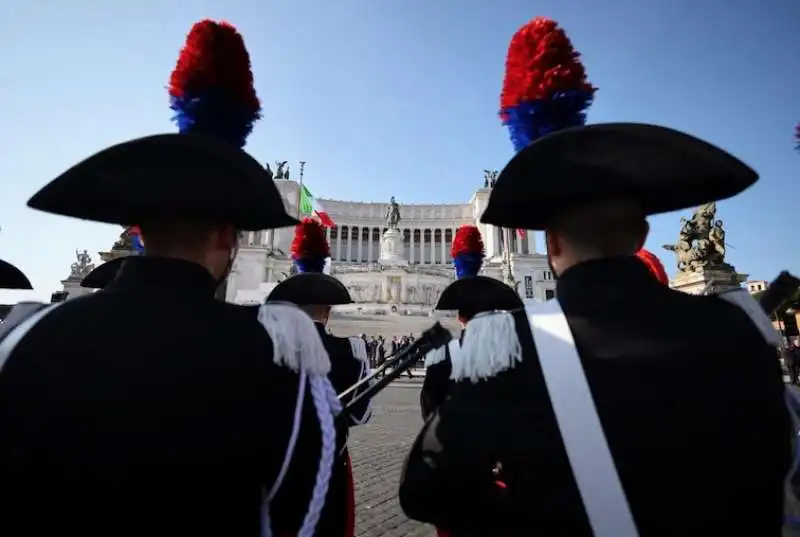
(281, 170)
(489, 178)
(717, 238)
(125, 242)
(701, 241)
(375, 293)
(392, 214)
(411, 295)
(82, 266)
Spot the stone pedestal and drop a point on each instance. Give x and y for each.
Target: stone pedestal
(115, 253)
(392, 250)
(713, 279)
(72, 286)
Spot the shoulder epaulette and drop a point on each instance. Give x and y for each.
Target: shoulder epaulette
(436, 356)
(358, 347)
(491, 345)
(295, 341)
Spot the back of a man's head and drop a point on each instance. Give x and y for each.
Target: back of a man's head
(205, 243)
(318, 312)
(596, 230)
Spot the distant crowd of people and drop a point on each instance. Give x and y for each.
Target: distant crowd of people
(790, 358)
(379, 349)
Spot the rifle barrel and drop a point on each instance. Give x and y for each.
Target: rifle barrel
(431, 339)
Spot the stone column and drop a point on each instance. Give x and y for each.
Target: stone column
(369, 245)
(443, 253)
(349, 243)
(338, 244)
(531, 242)
(498, 240)
(360, 239)
(411, 246)
(433, 246)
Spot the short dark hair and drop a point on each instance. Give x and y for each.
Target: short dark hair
(605, 228)
(162, 236)
(316, 310)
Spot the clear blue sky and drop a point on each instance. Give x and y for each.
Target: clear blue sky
(396, 97)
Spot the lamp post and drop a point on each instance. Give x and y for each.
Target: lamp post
(489, 180)
(508, 273)
(300, 187)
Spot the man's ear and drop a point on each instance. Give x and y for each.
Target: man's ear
(226, 237)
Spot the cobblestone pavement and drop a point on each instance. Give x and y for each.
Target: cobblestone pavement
(378, 450)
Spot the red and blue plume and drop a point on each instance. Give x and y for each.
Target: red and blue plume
(467, 252)
(136, 239)
(545, 87)
(211, 89)
(309, 248)
(654, 264)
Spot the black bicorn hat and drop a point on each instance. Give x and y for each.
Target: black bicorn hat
(471, 293)
(307, 288)
(13, 278)
(103, 274)
(662, 169)
(309, 252)
(200, 173)
(477, 294)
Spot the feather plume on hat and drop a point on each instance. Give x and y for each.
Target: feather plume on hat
(654, 264)
(467, 251)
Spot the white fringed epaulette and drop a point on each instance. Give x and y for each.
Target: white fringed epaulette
(295, 341)
(359, 348)
(436, 356)
(490, 346)
(745, 301)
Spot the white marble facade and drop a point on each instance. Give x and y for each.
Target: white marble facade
(427, 234)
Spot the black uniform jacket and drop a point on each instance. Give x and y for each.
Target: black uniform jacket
(345, 371)
(149, 408)
(437, 384)
(690, 396)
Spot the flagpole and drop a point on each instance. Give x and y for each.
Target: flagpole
(300, 189)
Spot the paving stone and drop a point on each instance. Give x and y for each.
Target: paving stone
(378, 449)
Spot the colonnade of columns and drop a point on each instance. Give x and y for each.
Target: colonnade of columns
(358, 244)
(423, 246)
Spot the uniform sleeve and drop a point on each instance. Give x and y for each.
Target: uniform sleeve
(274, 425)
(362, 411)
(435, 387)
(449, 477)
(347, 369)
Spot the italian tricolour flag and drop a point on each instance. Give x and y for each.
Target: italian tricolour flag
(309, 205)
